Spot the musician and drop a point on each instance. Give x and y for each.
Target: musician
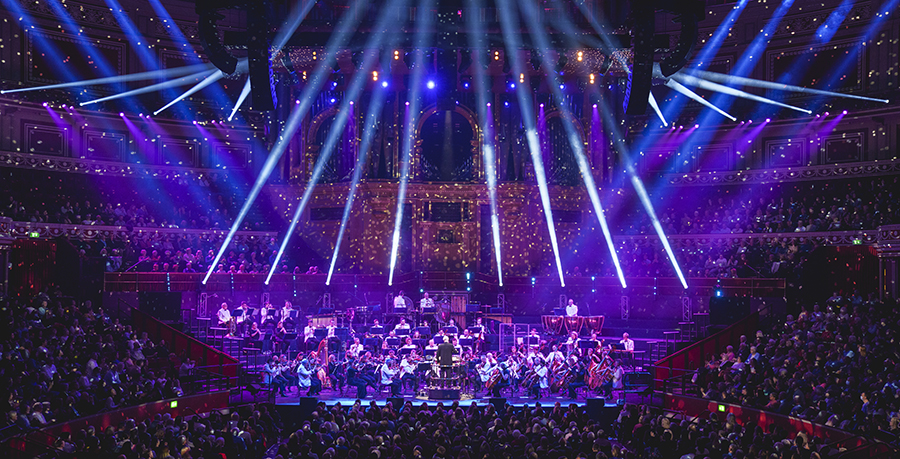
(541, 381)
(534, 338)
(309, 337)
(408, 368)
(224, 315)
(304, 373)
(244, 318)
(627, 342)
(571, 308)
(402, 325)
(426, 302)
(388, 372)
(400, 302)
(572, 342)
(254, 334)
(555, 357)
(484, 370)
(265, 319)
(354, 378)
(355, 348)
(286, 313)
(578, 381)
(287, 369)
(386, 345)
(408, 343)
(505, 376)
(278, 337)
(272, 376)
(334, 343)
(431, 345)
(445, 356)
(618, 379)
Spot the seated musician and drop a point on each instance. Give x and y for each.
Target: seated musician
(617, 380)
(334, 343)
(355, 348)
(542, 381)
(505, 376)
(408, 343)
(402, 325)
(578, 381)
(223, 315)
(266, 319)
(304, 373)
(400, 302)
(555, 357)
(431, 345)
(572, 342)
(388, 377)
(254, 334)
(408, 368)
(286, 312)
(272, 377)
(571, 308)
(484, 370)
(309, 338)
(534, 338)
(354, 377)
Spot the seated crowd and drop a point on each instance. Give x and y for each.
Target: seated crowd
(201, 436)
(82, 199)
(836, 364)
(61, 361)
(810, 206)
(479, 431)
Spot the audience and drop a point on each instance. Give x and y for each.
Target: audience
(61, 361)
(835, 364)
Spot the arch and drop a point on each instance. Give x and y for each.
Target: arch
(563, 166)
(337, 169)
(475, 144)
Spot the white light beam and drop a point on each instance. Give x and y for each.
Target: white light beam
(693, 95)
(709, 85)
(167, 73)
(152, 88)
(240, 101)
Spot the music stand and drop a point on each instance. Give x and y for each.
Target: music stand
(587, 344)
(533, 340)
(320, 333)
(405, 351)
(451, 329)
(379, 330)
(430, 352)
(476, 329)
(290, 339)
(402, 332)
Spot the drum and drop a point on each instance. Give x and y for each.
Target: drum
(574, 324)
(553, 324)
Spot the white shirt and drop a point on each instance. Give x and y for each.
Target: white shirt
(401, 327)
(407, 367)
(244, 315)
(426, 303)
(399, 302)
(308, 333)
(331, 331)
(286, 313)
(387, 374)
(485, 372)
(355, 349)
(572, 310)
(542, 374)
(224, 315)
(304, 375)
(629, 344)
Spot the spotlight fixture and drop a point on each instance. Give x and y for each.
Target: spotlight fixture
(430, 84)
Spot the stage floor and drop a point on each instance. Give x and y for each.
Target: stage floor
(331, 398)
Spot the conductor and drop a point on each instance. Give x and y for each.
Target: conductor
(445, 356)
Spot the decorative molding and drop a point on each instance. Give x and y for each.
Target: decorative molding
(825, 172)
(119, 48)
(792, 52)
(781, 151)
(36, 135)
(97, 167)
(798, 24)
(104, 145)
(838, 238)
(855, 139)
(84, 13)
(91, 232)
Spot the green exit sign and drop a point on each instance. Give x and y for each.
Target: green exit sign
(173, 404)
(857, 242)
(34, 234)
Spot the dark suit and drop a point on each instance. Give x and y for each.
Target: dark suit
(445, 358)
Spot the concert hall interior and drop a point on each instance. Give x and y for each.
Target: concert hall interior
(450, 228)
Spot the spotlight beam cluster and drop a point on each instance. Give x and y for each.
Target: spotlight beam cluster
(149, 75)
(338, 39)
(532, 17)
(154, 87)
(513, 42)
(476, 42)
(337, 127)
(424, 21)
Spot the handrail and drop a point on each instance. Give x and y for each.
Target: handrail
(186, 345)
(689, 355)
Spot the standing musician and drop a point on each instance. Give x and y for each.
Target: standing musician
(478, 344)
(616, 382)
(334, 343)
(627, 342)
(224, 315)
(388, 373)
(571, 308)
(243, 320)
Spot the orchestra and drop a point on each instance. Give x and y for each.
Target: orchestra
(397, 357)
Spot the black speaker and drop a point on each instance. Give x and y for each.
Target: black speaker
(307, 405)
(640, 79)
(498, 402)
(293, 416)
(397, 402)
(165, 306)
(262, 81)
(594, 406)
(728, 310)
(598, 411)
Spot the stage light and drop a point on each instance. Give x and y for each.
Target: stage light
(45, 104)
(384, 84)
(591, 78)
(375, 75)
(719, 293)
(123, 114)
(562, 86)
(396, 55)
(430, 84)
(768, 120)
(580, 56)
